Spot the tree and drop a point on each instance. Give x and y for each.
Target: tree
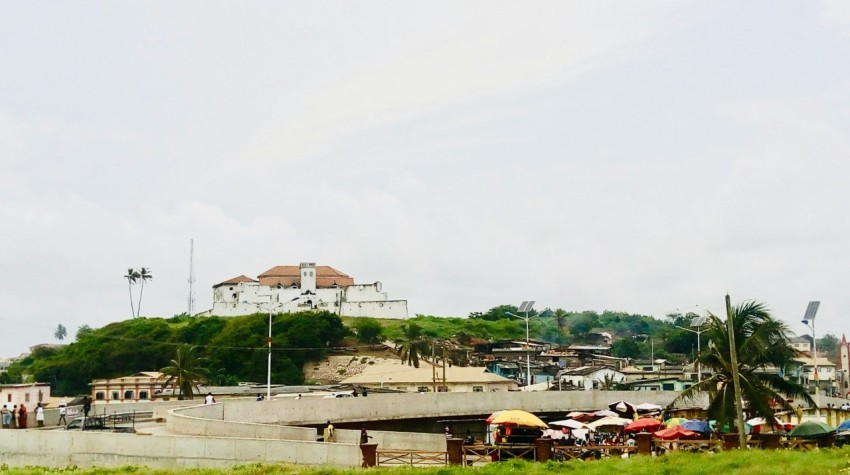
(369, 331)
(828, 344)
(83, 330)
(61, 332)
(584, 324)
(144, 275)
(498, 313)
(562, 318)
(132, 277)
(762, 344)
(625, 348)
(184, 374)
(412, 345)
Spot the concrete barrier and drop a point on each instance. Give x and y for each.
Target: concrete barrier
(245, 430)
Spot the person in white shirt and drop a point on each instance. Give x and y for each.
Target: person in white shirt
(39, 415)
(62, 410)
(209, 399)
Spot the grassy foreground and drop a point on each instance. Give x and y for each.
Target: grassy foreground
(759, 462)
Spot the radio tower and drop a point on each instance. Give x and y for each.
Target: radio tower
(191, 277)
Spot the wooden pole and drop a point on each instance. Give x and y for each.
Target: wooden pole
(736, 378)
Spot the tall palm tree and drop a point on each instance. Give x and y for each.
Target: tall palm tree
(61, 332)
(762, 348)
(144, 275)
(132, 277)
(413, 345)
(561, 317)
(184, 374)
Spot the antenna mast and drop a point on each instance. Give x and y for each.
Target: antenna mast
(191, 277)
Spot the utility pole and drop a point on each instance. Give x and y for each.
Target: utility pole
(191, 277)
(736, 378)
(433, 368)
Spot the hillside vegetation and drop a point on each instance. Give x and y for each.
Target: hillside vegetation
(233, 349)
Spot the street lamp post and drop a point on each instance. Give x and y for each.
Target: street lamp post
(809, 321)
(697, 323)
(525, 307)
(269, 341)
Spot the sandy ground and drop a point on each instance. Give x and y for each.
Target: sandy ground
(336, 368)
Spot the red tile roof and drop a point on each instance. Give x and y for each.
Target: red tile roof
(326, 276)
(235, 280)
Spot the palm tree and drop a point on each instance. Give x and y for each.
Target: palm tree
(184, 374)
(132, 277)
(61, 332)
(561, 317)
(144, 275)
(762, 347)
(413, 345)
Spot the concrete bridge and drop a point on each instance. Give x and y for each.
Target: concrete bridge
(242, 431)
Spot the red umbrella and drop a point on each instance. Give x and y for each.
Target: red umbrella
(580, 416)
(675, 433)
(648, 424)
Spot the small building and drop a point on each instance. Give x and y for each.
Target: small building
(659, 384)
(428, 379)
(27, 393)
(801, 343)
(589, 377)
(825, 378)
(142, 386)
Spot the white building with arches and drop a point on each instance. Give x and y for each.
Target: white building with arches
(286, 289)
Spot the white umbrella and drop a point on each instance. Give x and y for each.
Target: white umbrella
(569, 423)
(610, 421)
(757, 421)
(648, 407)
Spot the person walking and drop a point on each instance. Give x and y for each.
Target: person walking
(39, 415)
(6, 416)
(86, 406)
(15, 417)
(22, 417)
(364, 436)
(62, 410)
(329, 432)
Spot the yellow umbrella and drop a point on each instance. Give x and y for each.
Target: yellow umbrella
(674, 421)
(516, 417)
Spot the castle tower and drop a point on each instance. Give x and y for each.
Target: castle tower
(308, 277)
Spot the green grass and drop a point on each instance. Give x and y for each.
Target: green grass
(755, 462)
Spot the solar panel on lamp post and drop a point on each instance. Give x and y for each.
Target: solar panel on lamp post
(697, 322)
(809, 321)
(525, 307)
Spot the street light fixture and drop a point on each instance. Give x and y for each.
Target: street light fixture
(269, 371)
(809, 321)
(697, 323)
(525, 307)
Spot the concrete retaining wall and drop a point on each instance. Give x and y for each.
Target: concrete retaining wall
(60, 448)
(207, 420)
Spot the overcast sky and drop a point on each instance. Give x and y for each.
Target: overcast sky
(645, 157)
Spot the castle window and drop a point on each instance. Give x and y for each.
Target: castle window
(279, 286)
(114, 395)
(128, 394)
(98, 396)
(143, 395)
(311, 273)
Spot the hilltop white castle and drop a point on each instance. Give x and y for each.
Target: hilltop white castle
(286, 289)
